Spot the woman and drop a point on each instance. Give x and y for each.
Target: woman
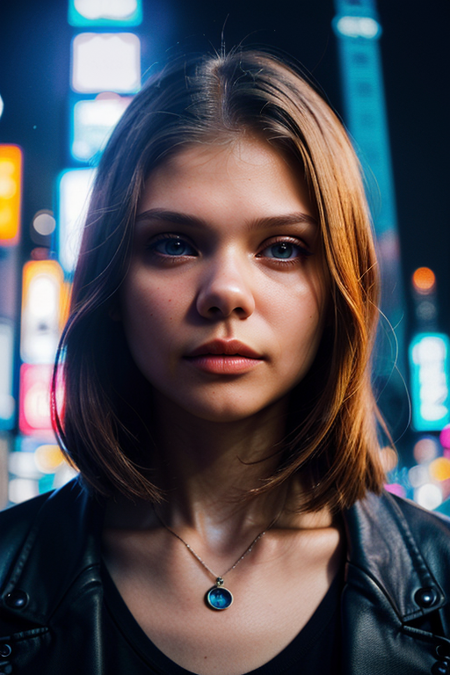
(230, 515)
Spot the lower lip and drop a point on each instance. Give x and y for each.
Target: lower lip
(224, 365)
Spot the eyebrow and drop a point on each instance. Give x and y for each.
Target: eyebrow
(178, 218)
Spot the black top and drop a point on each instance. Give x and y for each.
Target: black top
(316, 649)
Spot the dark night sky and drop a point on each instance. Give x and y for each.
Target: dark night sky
(34, 83)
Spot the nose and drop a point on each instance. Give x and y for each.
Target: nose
(226, 290)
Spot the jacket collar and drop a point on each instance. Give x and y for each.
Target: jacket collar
(380, 543)
(65, 540)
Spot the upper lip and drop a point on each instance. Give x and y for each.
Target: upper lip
(227, 347)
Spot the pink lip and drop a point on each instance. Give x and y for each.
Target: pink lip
(226, 357)
(225, 348)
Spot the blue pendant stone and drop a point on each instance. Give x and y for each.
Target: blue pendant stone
(219, 598)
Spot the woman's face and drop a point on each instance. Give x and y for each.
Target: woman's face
(223, 304)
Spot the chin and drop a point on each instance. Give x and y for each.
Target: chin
(228, 411)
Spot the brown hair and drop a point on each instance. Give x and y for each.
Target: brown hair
(332, 432)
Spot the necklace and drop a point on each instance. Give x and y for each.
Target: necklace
(218, 597)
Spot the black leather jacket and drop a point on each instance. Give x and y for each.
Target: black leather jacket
(395, 607)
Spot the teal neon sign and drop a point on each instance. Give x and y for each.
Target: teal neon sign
(430, 369)
(105, 13)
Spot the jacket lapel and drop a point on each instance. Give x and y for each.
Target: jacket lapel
(65, 539)
(386, 581)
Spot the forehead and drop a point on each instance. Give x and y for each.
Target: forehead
(246, 174)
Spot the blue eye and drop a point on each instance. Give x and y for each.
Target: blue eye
(173, 247)
(283, 250)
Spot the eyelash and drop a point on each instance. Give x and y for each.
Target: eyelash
(302, 251)
(152, 246)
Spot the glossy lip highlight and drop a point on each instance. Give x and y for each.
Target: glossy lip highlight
(224, 357)
(226, 348)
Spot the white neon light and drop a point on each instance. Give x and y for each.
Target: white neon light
(93, 123)
(429, 496)
(429, 354)
(21, 489)
(23, 465)
(43, 296)
(418, 475)
(7, 403)
(105, 9)
(358, 26)
(40, 314)
(74, 190)
(106, 62)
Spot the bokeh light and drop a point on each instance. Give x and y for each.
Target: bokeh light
(44, 223)
(429, 496)
(48, 458)
(418, 475)
(21, 489)
(389, 458)
(424, 280)
(425, 450)
(440, 469)
(106, 62)
(444, 436)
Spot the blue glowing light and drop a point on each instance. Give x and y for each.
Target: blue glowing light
(93, 121)
(7, 402)
(429, 364)
(105, 12)
(358, 27)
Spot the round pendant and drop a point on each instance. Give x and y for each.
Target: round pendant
(219, 597)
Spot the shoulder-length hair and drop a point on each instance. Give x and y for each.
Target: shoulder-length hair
(331, 440)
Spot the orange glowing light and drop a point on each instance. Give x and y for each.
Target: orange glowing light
(424, 280)
(10, 193)
(48, 458)
(440, 469)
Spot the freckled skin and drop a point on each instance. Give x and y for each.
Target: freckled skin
(227, 289)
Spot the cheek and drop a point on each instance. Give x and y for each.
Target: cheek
(152, 312)
(302, 307)
(142, 301)
(144, 310)
(298, 322)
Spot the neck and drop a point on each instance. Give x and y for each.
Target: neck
(209, 466)
(206, 469)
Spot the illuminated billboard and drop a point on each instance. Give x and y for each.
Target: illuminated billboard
(34, 400)
(73, 198)
(7, 403)
(93, 121)
(105, 12)
(429, 365)
(106, 62)
(10, 194)
(42, 296)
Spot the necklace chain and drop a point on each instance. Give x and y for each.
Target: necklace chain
(219, 579)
